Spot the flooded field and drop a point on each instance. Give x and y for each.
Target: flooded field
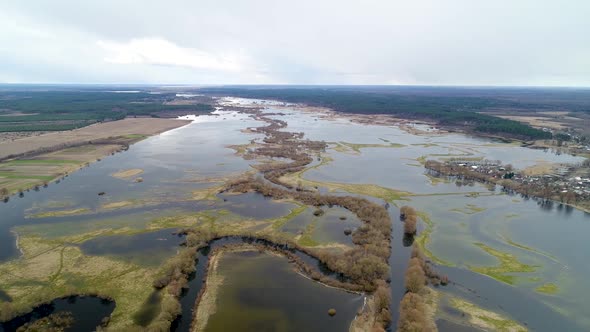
(517, 258)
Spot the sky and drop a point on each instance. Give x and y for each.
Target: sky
(411, 42)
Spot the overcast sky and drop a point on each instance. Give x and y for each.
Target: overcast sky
(430, 42)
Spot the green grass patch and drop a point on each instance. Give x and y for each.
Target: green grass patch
(548, 288)
(485, 319)
(469, 209)
(529, 249)
(508, 264)
(10, 175)
(40, 162)
(307, 239)
(424, 238)
(60, 213)
(356, 147)
(279, 222)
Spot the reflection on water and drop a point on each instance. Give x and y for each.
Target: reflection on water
(254, 205)
(188, 298)
(526, 229)
(151, 248)
(448, 326)
(517, 303)
(331, 226)
(88, 313)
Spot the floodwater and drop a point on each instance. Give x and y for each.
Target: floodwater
(88, 313)
(549, 237)
(329, 227)
(267, 274)
(151, 248)
(174, 164)
(262, 292)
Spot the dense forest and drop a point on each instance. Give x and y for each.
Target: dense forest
(446, 110)
(63, 110)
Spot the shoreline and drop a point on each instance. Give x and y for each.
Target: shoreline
(390, 120)
(504, 183)
(123, 133)
(17, 237)
(205, 304)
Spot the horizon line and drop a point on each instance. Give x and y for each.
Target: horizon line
(294, 85)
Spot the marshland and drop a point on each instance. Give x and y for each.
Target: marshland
(246, 215)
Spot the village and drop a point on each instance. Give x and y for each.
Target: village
(565, 183)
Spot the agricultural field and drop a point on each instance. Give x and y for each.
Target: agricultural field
(23, 110)
(35, 161)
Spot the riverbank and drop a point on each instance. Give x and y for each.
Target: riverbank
(34, 161)
(226, 274)
(562, 189)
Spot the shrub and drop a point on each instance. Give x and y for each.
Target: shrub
(318, 212)
(406, 211)
(410, 225)
(412, 316)
(382, 302)
(415, 279)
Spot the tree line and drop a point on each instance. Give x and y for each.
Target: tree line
(65, 110)
(453, 111)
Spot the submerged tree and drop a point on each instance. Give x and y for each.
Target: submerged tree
(406, 211)
(410, 225)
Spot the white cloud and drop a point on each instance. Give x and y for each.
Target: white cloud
(158, 51)
(501, 42)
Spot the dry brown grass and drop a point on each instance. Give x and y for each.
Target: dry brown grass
(53, 155)
(130, 126)
(127, 173)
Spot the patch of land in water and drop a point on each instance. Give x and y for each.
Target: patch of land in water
(60, 213)
(484, 319)
(387, 194)
(124, 174)
(356, 148)
(207, 302)
(509, 264)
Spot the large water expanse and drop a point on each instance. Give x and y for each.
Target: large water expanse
(550, 238)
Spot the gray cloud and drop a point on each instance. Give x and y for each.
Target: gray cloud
(463, 42)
